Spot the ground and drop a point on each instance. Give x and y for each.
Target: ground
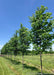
(13, 65)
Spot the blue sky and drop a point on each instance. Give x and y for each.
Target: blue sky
(14, 12)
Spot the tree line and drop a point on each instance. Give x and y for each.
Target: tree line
(41, 35)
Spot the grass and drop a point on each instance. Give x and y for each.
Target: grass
(48, 61)
(4, 69)
(31, 65)
(28, 70)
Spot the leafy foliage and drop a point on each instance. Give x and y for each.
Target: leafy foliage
(24, 38)
(41, 28)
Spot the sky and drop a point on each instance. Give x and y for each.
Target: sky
(15, 12)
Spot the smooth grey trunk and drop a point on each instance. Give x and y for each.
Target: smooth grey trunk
(41, 61)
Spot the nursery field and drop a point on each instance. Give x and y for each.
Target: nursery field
(4, 69)
(12, 65)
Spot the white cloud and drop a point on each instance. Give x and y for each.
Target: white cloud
(31, 47)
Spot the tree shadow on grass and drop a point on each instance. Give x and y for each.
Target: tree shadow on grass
(44, 74)
(24, 65)
(31, 67)
(13, 61)
(27, 66)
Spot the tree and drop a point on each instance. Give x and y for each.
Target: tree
(41, 27)
(51, 51)
(33, 52)
(36, 48)
(24, 39)
(16, 43)
(5, 49)
(13, 45)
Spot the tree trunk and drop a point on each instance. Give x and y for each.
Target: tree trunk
(23, 61)
(41, 61)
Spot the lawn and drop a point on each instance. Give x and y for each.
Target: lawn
(31, 65)
(48, 61)
(4, 68)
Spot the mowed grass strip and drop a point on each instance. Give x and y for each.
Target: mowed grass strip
(48, 61)
(1, 70)
(28, 70)
(30, 65)
(4, 69)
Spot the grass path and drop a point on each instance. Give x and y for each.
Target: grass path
(1, 70)
(17, 67)
(6, 69)
(37, 67)
(48, 62)
(14, 67)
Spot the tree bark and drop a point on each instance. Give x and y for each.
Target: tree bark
(41, 61)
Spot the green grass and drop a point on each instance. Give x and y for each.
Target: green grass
(48, 61)
(4, 69)
(28, 70)
(31, 66)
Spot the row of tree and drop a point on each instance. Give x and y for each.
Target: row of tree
(19, 43)
(41, 34)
